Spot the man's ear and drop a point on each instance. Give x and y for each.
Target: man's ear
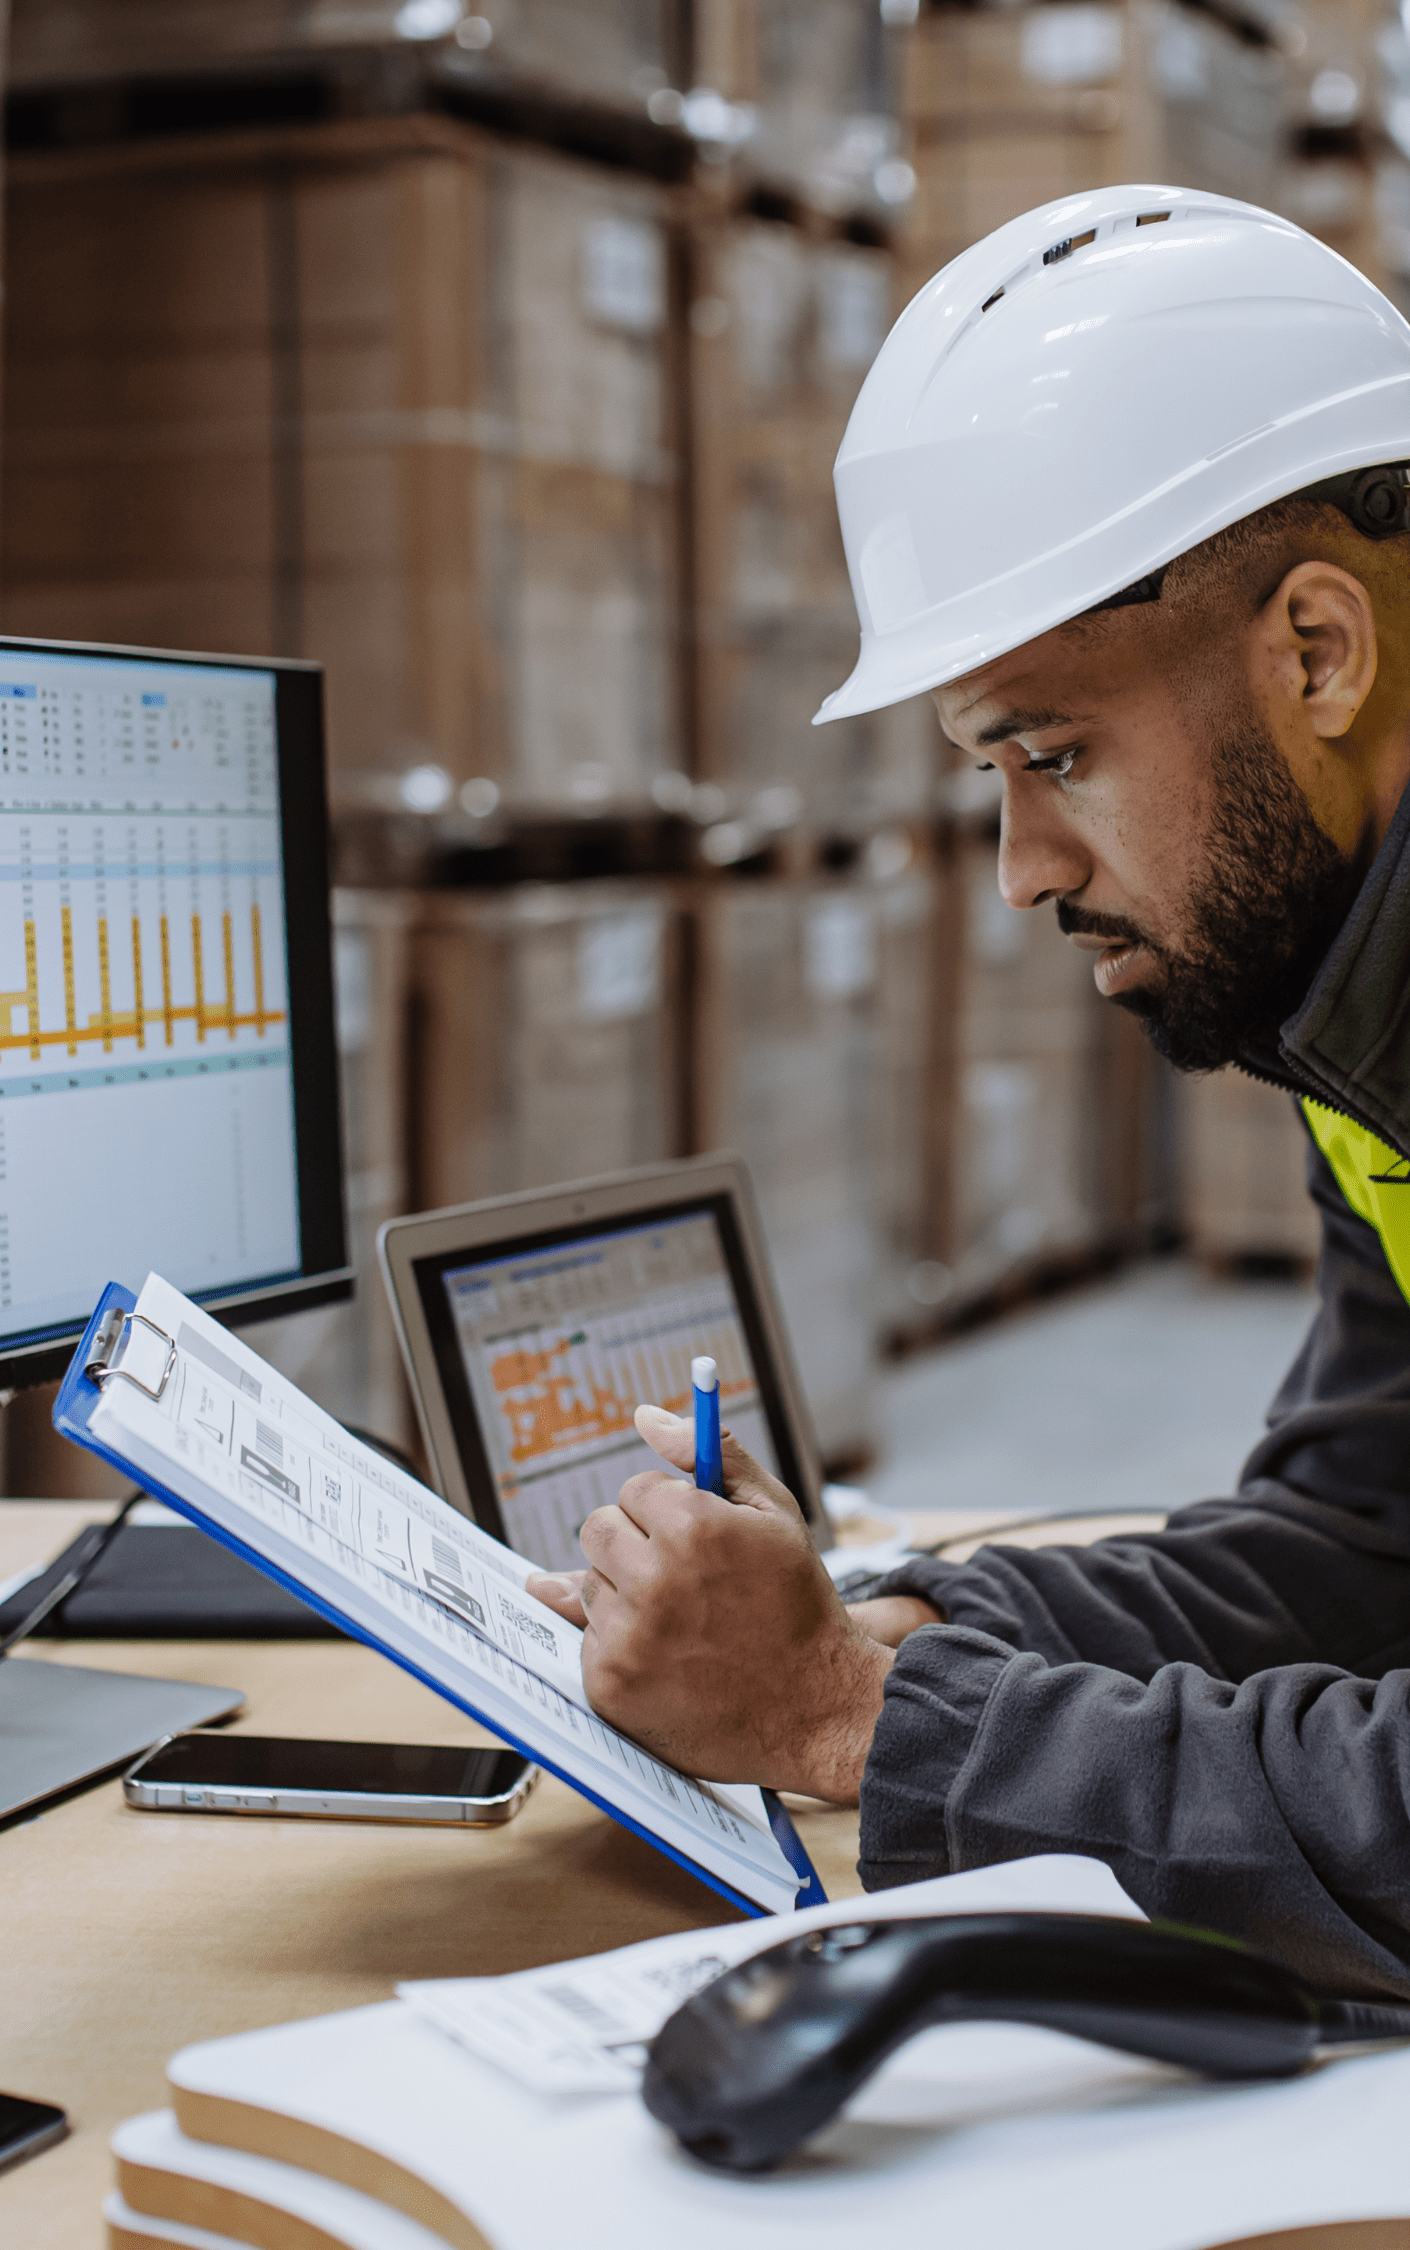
(1320, 633)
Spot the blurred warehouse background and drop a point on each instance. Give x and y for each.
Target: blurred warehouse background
(495, 353)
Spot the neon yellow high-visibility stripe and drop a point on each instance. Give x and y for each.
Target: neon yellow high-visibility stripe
(1374, 1180)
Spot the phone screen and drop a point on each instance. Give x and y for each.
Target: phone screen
(379, 1769)
(27, 2127)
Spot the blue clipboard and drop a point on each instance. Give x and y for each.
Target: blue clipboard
(79, 1394)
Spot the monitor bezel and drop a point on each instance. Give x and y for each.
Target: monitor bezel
(318, 1131)
(415, 1253)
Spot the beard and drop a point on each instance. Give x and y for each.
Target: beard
(1262, 917)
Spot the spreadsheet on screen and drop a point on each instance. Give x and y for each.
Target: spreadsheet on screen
(146, 1089)
(561, 1344)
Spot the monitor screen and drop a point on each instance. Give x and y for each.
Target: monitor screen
(167, 1069)
(545, 1347)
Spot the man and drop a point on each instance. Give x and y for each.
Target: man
(1127, 490)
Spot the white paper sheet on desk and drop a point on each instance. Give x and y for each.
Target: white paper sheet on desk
(244, 1447)
(580, 2027)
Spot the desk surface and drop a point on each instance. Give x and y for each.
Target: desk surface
(128, 1934)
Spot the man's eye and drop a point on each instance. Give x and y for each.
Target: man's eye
(1061, 763)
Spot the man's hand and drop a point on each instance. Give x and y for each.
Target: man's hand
(713, 1634)
(891, 1617)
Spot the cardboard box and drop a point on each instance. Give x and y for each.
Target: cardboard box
(783, 328)
(395, 395)
(346, 1356)
(548, 1039)
(1242, 1158)
(812, 1016)
(1007, 108)
(595, 50)
(1035, 1118)
(814, 79)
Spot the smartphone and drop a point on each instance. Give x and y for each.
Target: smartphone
(203, 1771)
(27, 2127)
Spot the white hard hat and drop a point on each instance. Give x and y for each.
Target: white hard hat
(1084, 395)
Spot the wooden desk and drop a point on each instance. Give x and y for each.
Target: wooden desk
(127, 1935)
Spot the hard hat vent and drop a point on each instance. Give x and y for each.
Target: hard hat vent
(1065, 249)
(1054, 255)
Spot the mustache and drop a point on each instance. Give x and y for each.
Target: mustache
(1075, 920)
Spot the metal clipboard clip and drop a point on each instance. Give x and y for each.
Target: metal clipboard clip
(114, 1332)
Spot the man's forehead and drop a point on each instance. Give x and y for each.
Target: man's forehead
(987, 710)
(1048, 683)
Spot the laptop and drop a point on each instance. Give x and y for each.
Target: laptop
(533, 1325)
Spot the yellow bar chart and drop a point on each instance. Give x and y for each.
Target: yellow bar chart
(107, 1025)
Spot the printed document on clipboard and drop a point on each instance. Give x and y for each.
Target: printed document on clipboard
(164, 1393)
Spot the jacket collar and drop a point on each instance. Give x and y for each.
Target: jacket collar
(1348, 1045)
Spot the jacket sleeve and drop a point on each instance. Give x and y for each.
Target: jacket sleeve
(1310, 1563)
(1276, 1811)
(1220, 1711)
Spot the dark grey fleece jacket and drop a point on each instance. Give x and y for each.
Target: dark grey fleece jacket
(1220, 1711)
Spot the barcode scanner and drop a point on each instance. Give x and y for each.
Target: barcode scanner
(769, 2052)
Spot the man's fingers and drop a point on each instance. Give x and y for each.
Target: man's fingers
(673, 1437)
(892, 1617)
(746, 1482)
(594, 1586)
(651, 1499)
(562, 1592)
(608, 1531)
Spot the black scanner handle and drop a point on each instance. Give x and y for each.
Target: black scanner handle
(771, 2050)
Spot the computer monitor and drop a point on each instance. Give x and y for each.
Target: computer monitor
(168, 1079)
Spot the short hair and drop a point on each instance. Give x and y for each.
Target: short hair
(1375, 502)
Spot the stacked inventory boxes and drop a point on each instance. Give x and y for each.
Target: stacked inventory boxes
(1279, 106)
(914, 909)
(796, 97)
(1243, 1160)
(548, 1036)
(1039, 1152)
(811, 1062)
(784, 327)
(534, 454)
(604, 51)
(1012, 107)
(390, 394)
(346, 1355)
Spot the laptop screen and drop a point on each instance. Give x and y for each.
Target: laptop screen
(546, 1346)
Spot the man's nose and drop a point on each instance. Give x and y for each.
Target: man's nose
(1040, 857)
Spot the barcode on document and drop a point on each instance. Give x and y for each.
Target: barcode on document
(446, 1558)
(269, 1442)
(586, 2010)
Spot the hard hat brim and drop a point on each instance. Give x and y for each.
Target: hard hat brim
(990, 621)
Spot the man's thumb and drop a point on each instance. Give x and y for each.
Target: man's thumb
(673, 1437)
(670, 1435)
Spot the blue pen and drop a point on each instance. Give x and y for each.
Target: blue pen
(709, 1468)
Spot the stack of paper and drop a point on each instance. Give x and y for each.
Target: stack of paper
(503, 2114)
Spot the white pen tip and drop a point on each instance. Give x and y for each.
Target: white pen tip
(702, 1374)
